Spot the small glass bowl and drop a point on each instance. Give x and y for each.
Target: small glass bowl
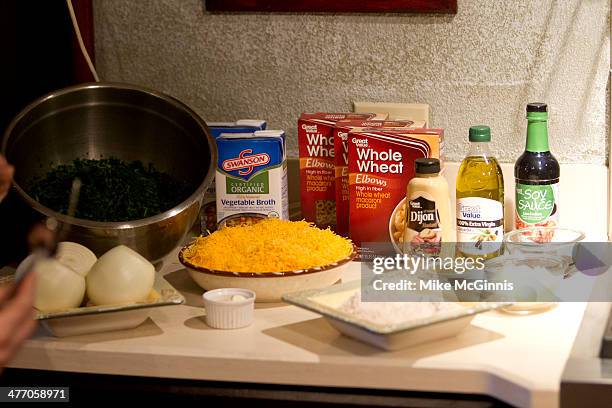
(535, 236)
(543, 240)
(535, 278)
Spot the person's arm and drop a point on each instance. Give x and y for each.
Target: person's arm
(16, 218)
(16, 317)
(16, 304)
(6, 176)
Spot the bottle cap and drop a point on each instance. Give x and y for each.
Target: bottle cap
(480, 133)
(427, 166)
(537, 107)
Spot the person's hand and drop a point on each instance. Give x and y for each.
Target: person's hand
(40, 236)
(16, 317)
(6, 177)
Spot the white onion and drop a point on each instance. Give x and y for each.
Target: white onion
(58, 287)
(120, 276)
(75, 256)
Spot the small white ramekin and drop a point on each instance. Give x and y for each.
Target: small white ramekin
(222, 313)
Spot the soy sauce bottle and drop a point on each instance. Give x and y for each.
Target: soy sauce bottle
(536, 174)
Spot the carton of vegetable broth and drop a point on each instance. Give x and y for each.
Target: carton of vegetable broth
(208, 212)
(251, 177)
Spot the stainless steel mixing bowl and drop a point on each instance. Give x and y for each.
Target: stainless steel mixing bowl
(122, 121)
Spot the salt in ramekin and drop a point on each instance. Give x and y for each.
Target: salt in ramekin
(224, 313)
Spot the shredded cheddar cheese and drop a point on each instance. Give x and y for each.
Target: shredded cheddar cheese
(271, 245)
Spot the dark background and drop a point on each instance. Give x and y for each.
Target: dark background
(39, 54)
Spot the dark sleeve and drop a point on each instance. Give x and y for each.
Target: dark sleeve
(16, 219)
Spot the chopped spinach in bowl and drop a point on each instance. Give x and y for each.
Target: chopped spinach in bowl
(112, 190)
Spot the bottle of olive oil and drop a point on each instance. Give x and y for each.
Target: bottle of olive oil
(537, 175)
(480, 199)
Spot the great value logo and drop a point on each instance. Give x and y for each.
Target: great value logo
(310, 128)
(245, 162)
(469, 211)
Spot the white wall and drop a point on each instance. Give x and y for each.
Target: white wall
(479, 66)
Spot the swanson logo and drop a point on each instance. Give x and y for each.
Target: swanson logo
(244, 163)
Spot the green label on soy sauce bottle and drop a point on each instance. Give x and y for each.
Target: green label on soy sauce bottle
(537, 204)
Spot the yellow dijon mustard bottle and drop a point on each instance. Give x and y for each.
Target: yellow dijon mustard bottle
(480, 199)
(428, 216)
